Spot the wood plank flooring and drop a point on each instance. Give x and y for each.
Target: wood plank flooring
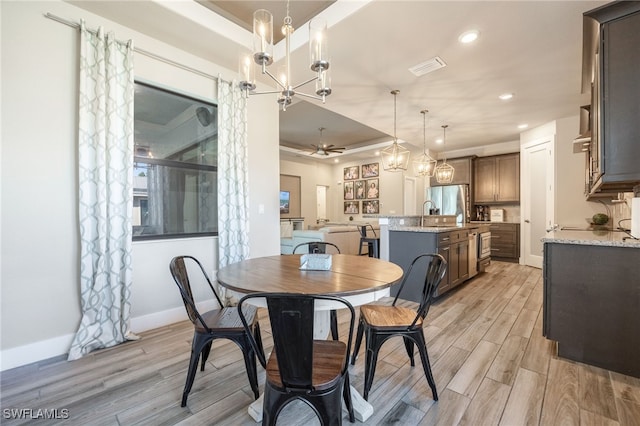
(492, 366)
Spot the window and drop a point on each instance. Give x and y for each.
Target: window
(175, 165)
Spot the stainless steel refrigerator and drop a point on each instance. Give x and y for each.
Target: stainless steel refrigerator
(450, 200)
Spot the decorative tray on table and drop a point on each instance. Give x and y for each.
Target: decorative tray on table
(315, 262)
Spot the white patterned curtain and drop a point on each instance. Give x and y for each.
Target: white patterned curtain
(105, 157)
(233, 175)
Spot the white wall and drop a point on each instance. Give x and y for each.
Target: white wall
(39, 253)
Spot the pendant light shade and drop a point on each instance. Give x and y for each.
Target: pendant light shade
(395, 158)
(425, 165)
(445, 171)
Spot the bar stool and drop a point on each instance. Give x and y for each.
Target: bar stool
(373, 243)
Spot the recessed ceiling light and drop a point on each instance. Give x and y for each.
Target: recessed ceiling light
(468, 36)
(377, 153)
(335, 160)
(506, 96)
(522, 126)
(439, 140)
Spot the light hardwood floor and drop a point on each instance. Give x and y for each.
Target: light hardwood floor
(491, 365)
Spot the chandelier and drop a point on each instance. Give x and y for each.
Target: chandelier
(444, 172)
(262, 55)
(394, 157)
(424, 166)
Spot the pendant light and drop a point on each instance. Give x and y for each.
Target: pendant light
(425, 166)
(394, 157)
(444, 172)
(262, 56)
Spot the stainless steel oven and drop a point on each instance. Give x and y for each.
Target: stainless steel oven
(484, 250)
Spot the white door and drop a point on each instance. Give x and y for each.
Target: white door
(321, 197)
(538, 198)
(409, 196)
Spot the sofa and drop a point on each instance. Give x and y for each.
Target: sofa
(346, 237)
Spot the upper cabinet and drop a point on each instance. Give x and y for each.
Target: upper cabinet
(611, 64)
(497, 179)
(461, 174)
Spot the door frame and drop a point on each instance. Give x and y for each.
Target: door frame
(547, 142)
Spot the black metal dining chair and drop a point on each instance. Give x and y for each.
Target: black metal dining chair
(321, 247)
(300, 367)
(372, 242)
(316, 247)
(222, 323)
(381, 322)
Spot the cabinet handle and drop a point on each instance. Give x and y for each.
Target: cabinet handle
(446, 239)
(446, 248)
(495, 249)
(496, 236)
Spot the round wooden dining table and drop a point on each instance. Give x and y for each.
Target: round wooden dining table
(358, 279)
(351, 277)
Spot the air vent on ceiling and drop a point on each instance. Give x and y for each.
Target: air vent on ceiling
(428, 66)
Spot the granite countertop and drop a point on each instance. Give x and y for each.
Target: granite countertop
(592, 237)
(431, 229)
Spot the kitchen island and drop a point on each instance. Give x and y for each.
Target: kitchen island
(591, 301)
(457, 244)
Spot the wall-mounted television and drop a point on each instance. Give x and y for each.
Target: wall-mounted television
(284, 201)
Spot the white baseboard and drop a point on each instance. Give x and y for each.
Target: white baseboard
(49, 348)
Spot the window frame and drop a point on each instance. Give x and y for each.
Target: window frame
(174, 164)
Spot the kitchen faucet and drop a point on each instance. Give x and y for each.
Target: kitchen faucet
(423, 205)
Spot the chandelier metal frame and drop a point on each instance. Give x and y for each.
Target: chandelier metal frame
(263, 56)
(445, 171)
(395, 158)
(425, 165)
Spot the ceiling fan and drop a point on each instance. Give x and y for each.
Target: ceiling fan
(324, 149)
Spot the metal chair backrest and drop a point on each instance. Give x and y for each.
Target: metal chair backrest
(178, 268)
(435, 269)
(316, 247)
(363, 230)
(292, 326)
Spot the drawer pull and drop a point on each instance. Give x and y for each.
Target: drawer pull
(446, 248)
(495, 249)
(496, 236)
(446, 239)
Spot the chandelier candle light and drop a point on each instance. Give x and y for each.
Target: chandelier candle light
(263, 56)
(444, 172)
(425, 166)
(394, 157)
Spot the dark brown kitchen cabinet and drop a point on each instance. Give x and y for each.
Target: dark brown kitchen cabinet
(505, 241)
(454, 247)
(461, 174)
(497, 179)
(611, 60)
(591, 300)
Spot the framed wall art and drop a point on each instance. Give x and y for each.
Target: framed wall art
(348, 191)
(372, 188)
(361, 189)
(370, 170)
(351, 173)
(370, 207)
(351, 207)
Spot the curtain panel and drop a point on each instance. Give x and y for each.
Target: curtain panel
(105, 157)
(233, 176)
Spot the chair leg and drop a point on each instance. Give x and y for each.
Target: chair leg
(334, 324)
(348, 402)
(422, 347)
(408, 344)
(205, 355)
(356, 347)
(371, 360)
(250, 364)
(199, 342)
